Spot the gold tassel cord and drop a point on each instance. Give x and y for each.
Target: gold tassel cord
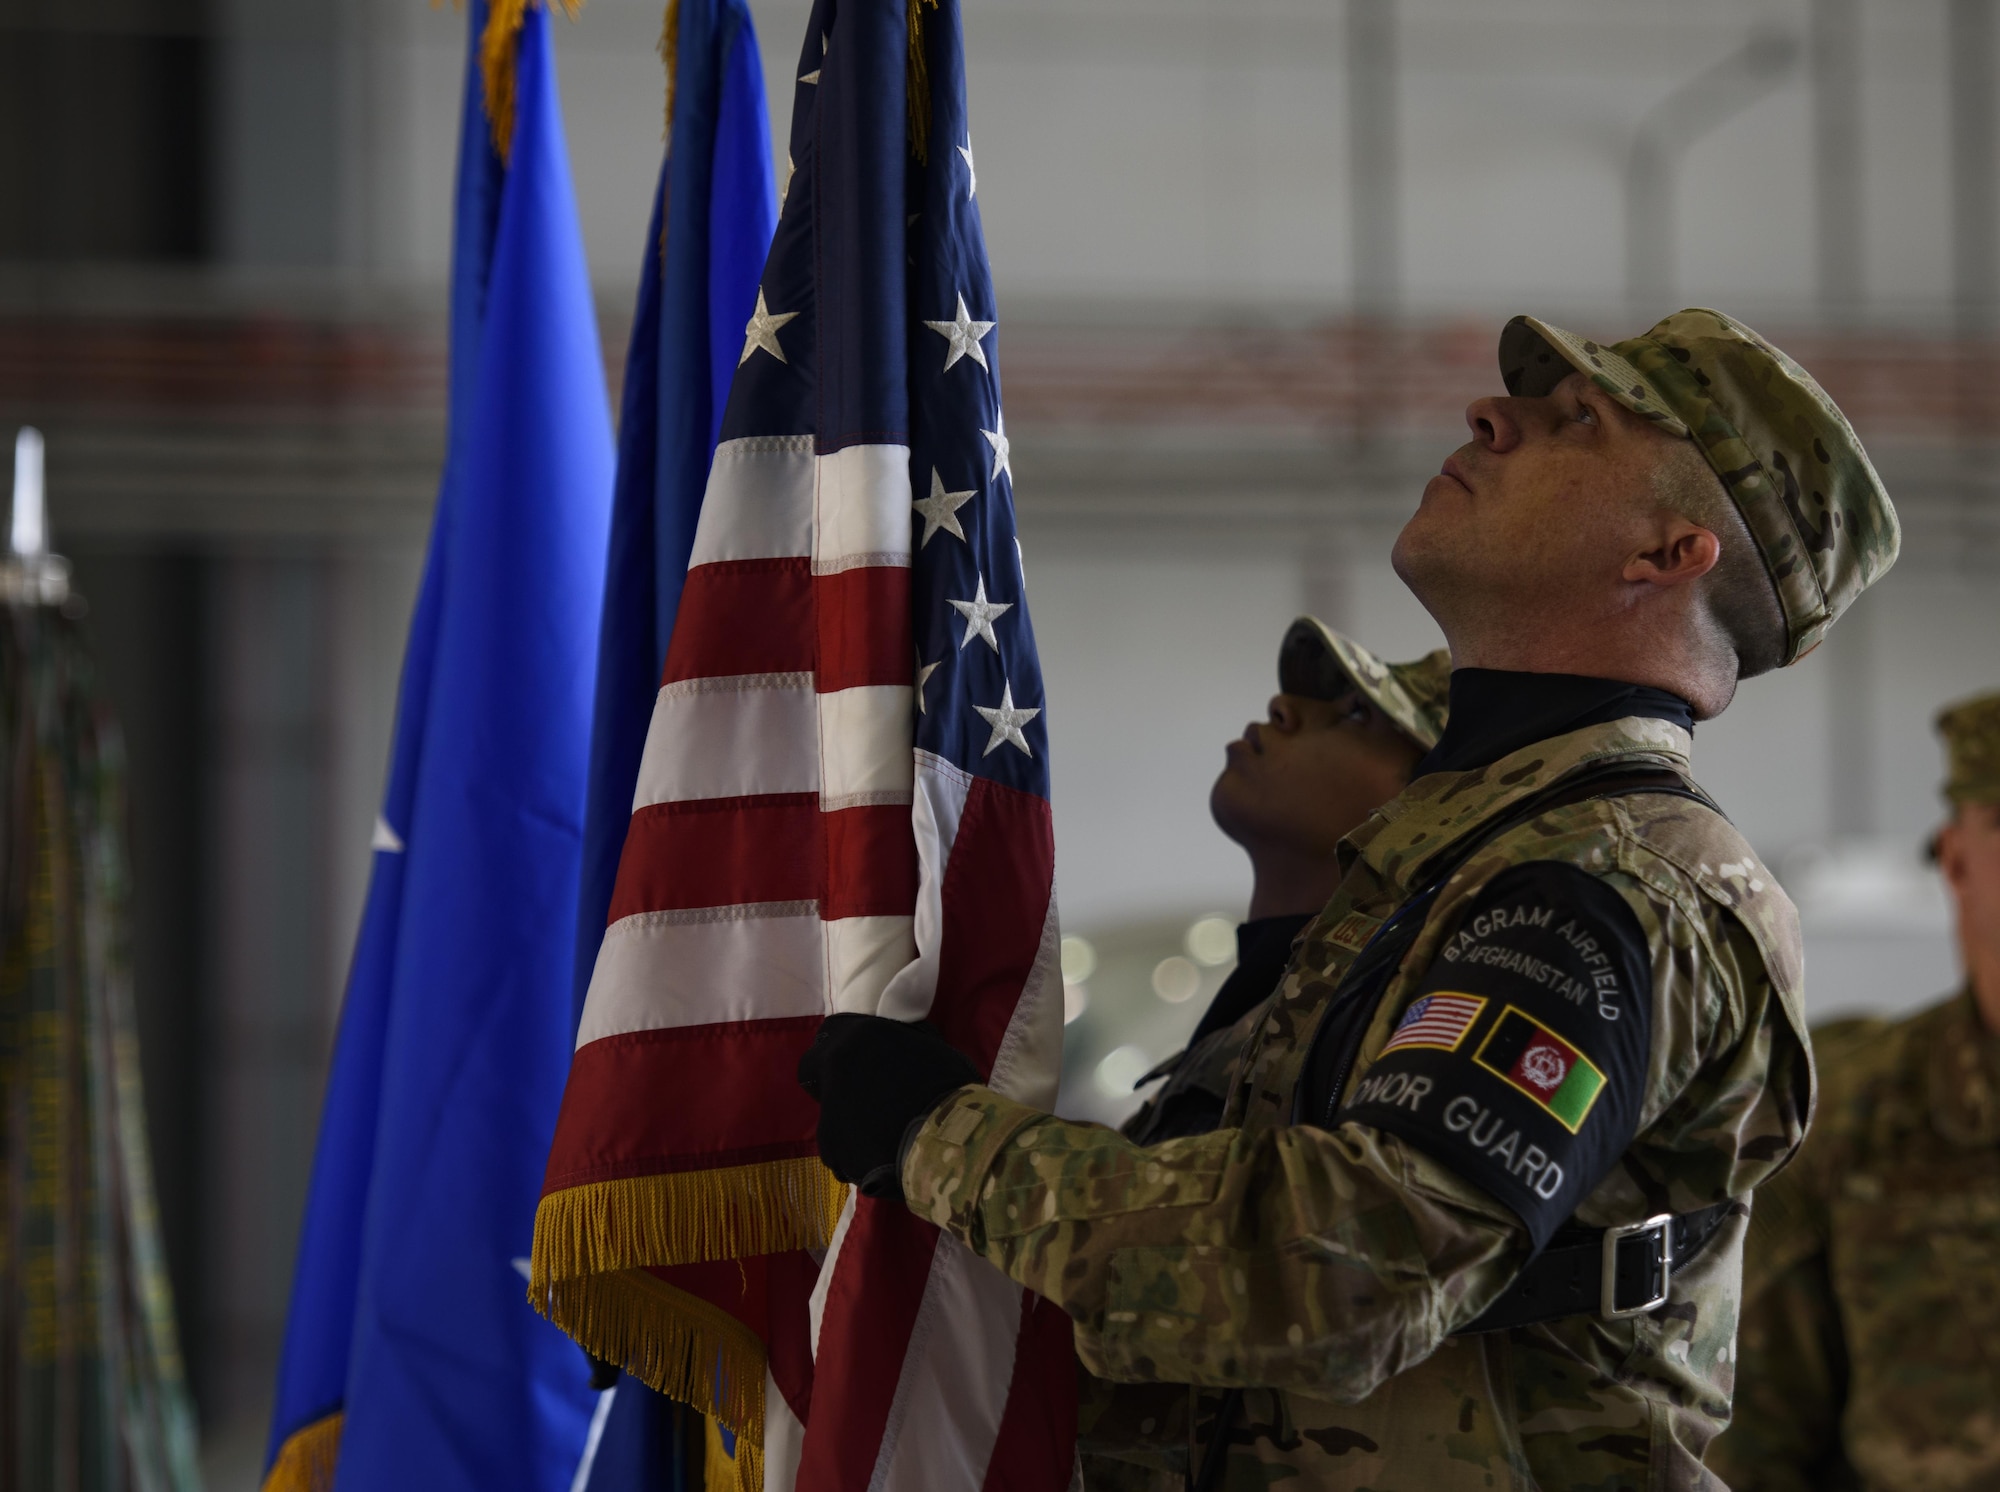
(917, 84)
(307, 1459)
(499, 48)
(694, 1216)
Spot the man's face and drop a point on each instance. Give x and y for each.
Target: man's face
(1969, 856)
(1307, 774)
(1536, 514)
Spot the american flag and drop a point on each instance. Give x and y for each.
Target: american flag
(1436, 1021)
(843, 805)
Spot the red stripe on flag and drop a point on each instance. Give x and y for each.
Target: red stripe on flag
(775, 616)
(1036, 1448)
(743, 616)
(995, 899)
(871, 863)
(720, 852)
(880, 1272)
(864, 627)
(648, 1103)
(771, 1294)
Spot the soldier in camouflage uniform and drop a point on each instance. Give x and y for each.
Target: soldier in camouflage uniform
(1548, 1025)
(1871, 1328)
(1338, 741)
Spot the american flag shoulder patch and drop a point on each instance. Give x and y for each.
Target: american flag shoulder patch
(1436, 1021)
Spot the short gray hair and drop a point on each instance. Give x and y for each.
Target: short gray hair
(1738, 594)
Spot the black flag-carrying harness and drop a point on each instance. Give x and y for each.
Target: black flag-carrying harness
(1612, 1272)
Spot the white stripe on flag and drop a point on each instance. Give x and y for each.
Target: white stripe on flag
(864, 736)
(759, 502)
(660, 969)
(862, 955)
(770, 497)
(864, 509)
(784, 1438)
(1028, 1066)
(730, 737)
(956, 1373)
(938, 805)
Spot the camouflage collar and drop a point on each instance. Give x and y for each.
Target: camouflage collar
(1965, 1076)
(1435, 811)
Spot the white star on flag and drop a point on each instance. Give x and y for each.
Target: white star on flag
(763, 332)
(1001, 446)
(786, 185)
(924, 672)
(971, 175)
(940, 510)
(963, 333)
(979, 614)
(1006, 722)
(813, 76)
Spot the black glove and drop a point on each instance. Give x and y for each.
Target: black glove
(874, 1078)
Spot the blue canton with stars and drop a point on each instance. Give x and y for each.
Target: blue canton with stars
(876, 325)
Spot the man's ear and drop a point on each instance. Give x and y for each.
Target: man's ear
(1948, 850)
(1678, 551)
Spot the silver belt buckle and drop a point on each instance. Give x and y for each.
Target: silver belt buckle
(1607, 1305)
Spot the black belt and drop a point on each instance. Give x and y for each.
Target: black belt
(1605, 1272)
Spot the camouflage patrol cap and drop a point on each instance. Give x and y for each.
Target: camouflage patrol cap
(1971, 731)
(1806, 490)
(1319, 663)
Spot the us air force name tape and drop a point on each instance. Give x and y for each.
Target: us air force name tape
(1521, 1059)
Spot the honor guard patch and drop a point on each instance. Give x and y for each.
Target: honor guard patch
(1520, 1059)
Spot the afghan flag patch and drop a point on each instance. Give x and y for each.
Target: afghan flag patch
(1526, 1055)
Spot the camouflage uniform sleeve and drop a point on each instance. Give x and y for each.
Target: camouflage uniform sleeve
(1287, 1257)
(1791, 1366)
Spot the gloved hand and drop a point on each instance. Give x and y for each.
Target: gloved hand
(874, 1078)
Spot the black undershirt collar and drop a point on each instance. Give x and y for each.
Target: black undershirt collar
(1263, 950)
(1498, 711)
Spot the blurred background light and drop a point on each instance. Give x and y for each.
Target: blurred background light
(1175, 980)
(1079, 959)
(1121, 1068)
(1211, 940)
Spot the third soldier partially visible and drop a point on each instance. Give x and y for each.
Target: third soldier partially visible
(1871, 1334)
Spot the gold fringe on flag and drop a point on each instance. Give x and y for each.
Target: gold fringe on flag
(307, 1459)
(676, 1344)
(917, 83)
(499, 45)
(593, 1244)
(685, 1218)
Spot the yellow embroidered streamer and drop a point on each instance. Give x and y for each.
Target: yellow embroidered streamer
(917, 83)
(499, 46)
(722, 1472)
(307, 1459)
(670, 58)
